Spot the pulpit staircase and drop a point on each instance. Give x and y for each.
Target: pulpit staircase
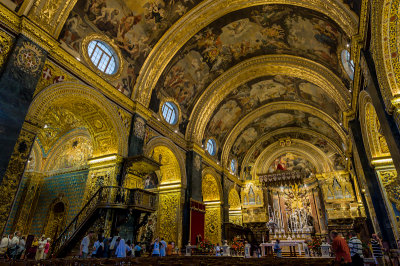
(109, 197)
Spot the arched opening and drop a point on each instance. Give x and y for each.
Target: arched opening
(55, 219)
(235, 208)
(212, 200)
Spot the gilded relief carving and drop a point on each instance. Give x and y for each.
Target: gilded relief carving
(139, 127)
(170, 170)
(212, 224)
(52, 74)
(14, 172)
(169, 215)
(6, 42)
(28, 58)
(210, 188)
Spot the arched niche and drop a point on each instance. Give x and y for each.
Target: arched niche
(374, 141)
(212, 194)
(56, 217)
(172, 182)
(235, 207)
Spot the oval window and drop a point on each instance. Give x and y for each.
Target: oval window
(170, 113)
(347, 63)
(211, 147)
(103, 57)
(233, 166)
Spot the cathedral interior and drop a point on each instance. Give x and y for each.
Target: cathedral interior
(179, 118)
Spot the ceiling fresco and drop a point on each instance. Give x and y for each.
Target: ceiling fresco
(275, 120)
(258, 92)
(291, 162)
(134, 26)
(339, 162)
(254, 31)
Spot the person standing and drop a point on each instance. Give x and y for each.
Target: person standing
(341, 249)
(156, 248)
(278, 249)
(163, 247)
(169, 249)
(21, 247)
(40, 250)
(356, 249)
(84, 249)
(137, 250)
(120, 252)
(46, 249)
(13, 245)
(4, 245)
(376, 245)
(217, 250)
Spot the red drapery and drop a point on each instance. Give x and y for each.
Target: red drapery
(197, 212)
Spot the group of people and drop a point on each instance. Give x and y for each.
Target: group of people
(119, 248)
(16, 246)
(351, 252)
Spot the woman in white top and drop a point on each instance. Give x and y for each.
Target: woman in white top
(4, 245)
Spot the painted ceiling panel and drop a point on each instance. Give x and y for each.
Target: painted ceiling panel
(258, 92)
(268, 29)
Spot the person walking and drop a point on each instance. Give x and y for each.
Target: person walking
(377, 247)
(341, 249)
(356, 249)
(84, 249)
(40, 250)
(156, 248)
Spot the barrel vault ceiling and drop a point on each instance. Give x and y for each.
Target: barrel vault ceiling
(249, 76)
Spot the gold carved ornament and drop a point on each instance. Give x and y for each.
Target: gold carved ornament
(210, 188)
(212, 224)
(169, 215)
(202, 15)
(170, 170)
(6, 42)
(257, 67)
(271, 107)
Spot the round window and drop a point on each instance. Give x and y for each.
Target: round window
(233, 166)
(211, 147)
(103, 57)
(170, 113)
(347, 63)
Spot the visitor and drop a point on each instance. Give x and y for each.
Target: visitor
(128, 249)
(169, 248)
(13, 246)
(377, 247)
(33, 249)
(120, 252)
(173, 248)
(217, 250)
(113, 245)
(340, 248)
(21, 247)
(96, 246)
(4, 246)
(156, 248)
(356, 249)
(278, 249)
(162, 247)
(84, 249)
(137, 250)
(46, 249)
(106, 246)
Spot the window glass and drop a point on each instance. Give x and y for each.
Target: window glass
(211, 147)
(170, 113)
(103, 57)
(347, 63)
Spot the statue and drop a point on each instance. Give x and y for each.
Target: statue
(226, 249)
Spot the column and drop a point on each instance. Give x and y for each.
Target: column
(20, 74)
(193, 190)
(387, 121)
(373, 183)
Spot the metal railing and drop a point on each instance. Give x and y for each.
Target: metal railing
(107, 197)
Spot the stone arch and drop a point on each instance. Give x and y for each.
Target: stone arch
(210, 189)
(173, 149)
(55, 155)
(374, 141)
(257, 67)
(56, 217)
(35, 159)
(100, 116)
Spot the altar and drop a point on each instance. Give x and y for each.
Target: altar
(286, 246)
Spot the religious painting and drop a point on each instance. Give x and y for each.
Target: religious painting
(279, 119)
(150, 181)
(292, 162)
(261, 91)
(134, 26)
(240, 35)
(74, 153)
